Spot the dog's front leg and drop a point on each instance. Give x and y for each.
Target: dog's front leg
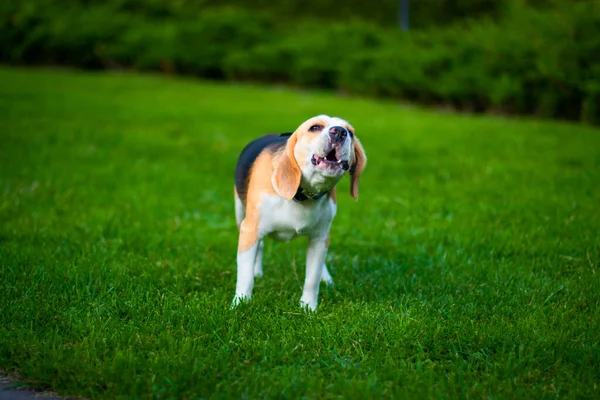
(246, 257)
(315, 260)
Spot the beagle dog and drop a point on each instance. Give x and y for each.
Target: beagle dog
(285, 188)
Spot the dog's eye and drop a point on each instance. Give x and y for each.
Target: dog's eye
(315, 128)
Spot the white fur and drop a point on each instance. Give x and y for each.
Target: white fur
(240, 210)
(258, 271)
(285, 220)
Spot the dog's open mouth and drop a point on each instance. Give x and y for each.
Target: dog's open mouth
(330, 160)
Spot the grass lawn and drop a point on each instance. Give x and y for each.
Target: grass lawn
(468, 268)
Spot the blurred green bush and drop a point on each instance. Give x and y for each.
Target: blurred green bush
(531, 60)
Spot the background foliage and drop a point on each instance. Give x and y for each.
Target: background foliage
(503, 55)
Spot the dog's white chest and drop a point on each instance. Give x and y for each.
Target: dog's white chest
(286, 219)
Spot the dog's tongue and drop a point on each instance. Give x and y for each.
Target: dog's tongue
(316, 160)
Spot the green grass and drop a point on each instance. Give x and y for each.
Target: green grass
(468, 269)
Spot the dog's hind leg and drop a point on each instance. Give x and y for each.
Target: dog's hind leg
(246, 258)
(240, 214)
(258, 270)
(326, 276)
(240, 210)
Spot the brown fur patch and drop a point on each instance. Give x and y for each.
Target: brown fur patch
(248, 235)
(287, 171)
(360, 161)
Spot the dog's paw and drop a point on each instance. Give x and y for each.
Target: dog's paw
(239, 299)
(326, 277)
(308, 304)
(328, 280)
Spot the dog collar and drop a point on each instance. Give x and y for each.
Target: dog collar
(302, 195)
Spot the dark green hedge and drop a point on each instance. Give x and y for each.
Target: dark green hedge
(541, 61)
(384, 13)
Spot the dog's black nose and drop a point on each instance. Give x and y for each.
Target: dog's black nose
(338, 133)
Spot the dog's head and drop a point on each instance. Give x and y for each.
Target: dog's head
(317, 156)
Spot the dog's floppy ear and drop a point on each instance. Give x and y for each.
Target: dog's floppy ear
(287, 174)
(357, 167)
